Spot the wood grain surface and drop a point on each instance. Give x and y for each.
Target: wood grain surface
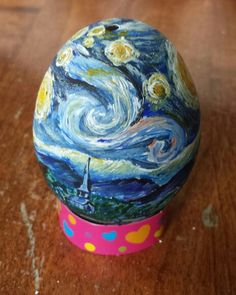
(198, 250)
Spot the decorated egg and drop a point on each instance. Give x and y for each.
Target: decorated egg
(116, 123)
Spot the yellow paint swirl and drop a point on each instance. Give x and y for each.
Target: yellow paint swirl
(185, 75)
(97, 31)
(181, 77)
(88, 42)
(156, 88)
(120, 51)
(64, 56)
(43, 102)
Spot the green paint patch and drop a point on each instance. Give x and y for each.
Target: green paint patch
(113, 35)
(122, 249)
(95, 72)
(123, 34)
(107, 210)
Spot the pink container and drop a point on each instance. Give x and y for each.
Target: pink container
(110, 239)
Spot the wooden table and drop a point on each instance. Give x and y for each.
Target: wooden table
(198, 250)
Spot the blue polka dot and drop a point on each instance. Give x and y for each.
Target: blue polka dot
(68, 231)
(110, 236)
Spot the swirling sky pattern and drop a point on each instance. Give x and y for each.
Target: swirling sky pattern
(117, 110)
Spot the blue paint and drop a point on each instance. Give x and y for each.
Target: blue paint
(68, 231)
(110, 236)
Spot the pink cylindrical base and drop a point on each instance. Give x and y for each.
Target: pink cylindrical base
(110, 239)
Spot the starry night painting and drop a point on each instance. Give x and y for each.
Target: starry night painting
(116, 123)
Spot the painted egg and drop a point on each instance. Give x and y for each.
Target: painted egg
(116, 123)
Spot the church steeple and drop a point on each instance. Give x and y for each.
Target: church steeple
(85, 185)
(82, 200)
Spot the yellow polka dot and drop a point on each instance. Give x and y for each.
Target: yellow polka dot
(122, 249)
(71, 219)
(158, 233)
(89, 247)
